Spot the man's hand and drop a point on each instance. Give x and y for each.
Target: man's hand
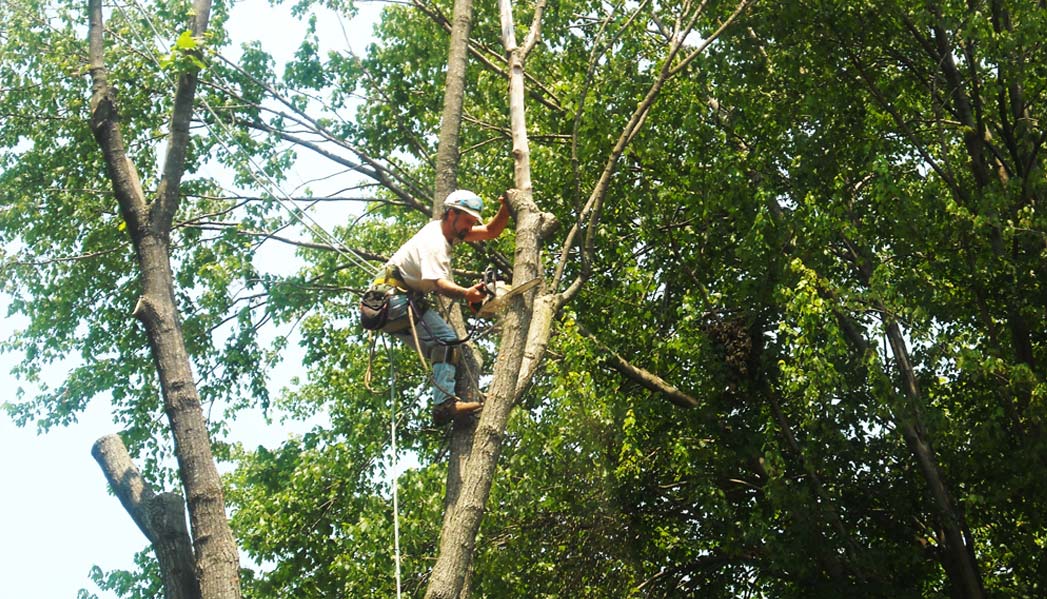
(449, 288)
(475, 294)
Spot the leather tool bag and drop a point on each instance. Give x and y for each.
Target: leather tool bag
(374, 310)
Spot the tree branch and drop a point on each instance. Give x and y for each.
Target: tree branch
(535, 32)
(486, 56)
(168, 196)
(590, 214)
(646, 379)
(160, 517)
(224, 226)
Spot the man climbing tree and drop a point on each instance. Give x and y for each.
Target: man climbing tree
(423, 265)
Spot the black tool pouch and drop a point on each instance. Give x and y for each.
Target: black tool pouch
(374, 310)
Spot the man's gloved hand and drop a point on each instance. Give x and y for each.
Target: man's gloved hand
(504, 199)
(474, 296)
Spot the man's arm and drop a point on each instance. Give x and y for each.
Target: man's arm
(449, 288)
(494, 227)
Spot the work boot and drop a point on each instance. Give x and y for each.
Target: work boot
(444, 412)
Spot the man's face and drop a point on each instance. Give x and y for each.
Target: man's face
(462, 223)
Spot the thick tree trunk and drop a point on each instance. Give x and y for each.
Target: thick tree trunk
(448, 150)
(216, 554)
(447, 154)
(462, 523)
(458, 536)
(160, 517)
(149, 225)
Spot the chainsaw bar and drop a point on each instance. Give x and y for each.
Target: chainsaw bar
(496, 306)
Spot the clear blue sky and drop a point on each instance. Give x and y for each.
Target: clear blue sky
(57, 516)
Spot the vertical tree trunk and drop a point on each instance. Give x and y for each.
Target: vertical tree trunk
(447, 154)
(462, 523)
(959, 548)
(527, 324)
(448, 150)
(149, 225)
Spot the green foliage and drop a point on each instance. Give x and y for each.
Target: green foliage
(143, 583)
(807, 183)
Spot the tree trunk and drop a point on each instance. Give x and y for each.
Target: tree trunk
(161, 518)
(462, 523)
(448, 151)
(149, 225)
(447, 154)
(958, 547)
(528, 321)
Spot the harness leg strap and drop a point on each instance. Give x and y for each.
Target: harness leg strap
(444, 354)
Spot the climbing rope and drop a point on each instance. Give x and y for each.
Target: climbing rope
(394, 475)
(418, 348)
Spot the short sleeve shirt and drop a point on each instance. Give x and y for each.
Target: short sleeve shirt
(425, 258)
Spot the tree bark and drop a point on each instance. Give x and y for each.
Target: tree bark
(448, 150)
(160, 517)
(446, 181)
(149, 225)
(462, 522)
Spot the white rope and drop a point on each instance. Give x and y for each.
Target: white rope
(394, 474)
(269, 185)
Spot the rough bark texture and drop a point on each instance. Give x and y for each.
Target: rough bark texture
(448, 150)
(160, 517)
(149, 225)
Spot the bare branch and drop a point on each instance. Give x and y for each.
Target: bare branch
(598, 50)
(647, 380)
(712, 38)
(590, 214)
(390, 177)
(62, 259)
(106, 128)
(536, 28)
(378, 172)
(488, 57)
